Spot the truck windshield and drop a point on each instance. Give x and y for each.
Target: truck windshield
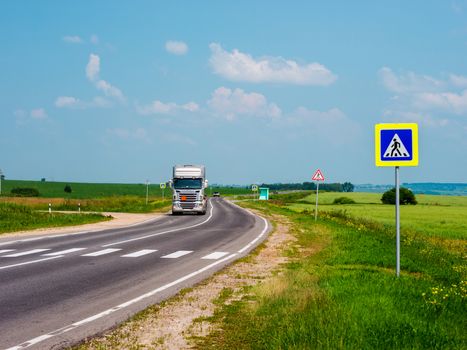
(187, 183)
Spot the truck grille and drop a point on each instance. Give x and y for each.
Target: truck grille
(187, 200)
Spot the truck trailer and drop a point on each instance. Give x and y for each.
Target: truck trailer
(188, 189)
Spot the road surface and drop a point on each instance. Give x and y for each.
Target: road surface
(56, 290)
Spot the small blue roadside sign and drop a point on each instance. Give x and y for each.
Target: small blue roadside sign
(396, 144)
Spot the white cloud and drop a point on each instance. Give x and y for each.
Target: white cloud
(93, 67)
(424, 93)
(396, 116)
(158, 107)
(109, 90)
(72, 39)
(239, 66)
(176, 47)
(67, 102)
(229, 104)
(458, 80)
(38, 113)
(409, 82)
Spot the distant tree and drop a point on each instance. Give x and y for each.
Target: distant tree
(347, 187)
(406, 196)
(67, 189)
(343, 200)
(43, 179)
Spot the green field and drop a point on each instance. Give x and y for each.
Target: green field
(339, 290)
(15, 217)
(98, 190)
(436, 216)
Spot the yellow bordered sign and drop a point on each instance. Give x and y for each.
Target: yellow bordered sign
(163, 185)
(396, 144)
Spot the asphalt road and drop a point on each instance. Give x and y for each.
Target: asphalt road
(58, 290)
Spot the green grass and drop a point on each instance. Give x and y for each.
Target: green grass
(435, 216)
(101, 190)
(345, 295)
(14, 217)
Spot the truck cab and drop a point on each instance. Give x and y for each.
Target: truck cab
(188, 189)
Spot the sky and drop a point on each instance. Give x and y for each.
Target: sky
(258, 91)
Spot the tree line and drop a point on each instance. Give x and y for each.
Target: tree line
(331, 187)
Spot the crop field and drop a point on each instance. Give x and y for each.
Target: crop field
(99, 190)
(339, 289)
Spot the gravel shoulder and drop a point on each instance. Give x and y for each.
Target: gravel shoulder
(118, 220)
(174, 323)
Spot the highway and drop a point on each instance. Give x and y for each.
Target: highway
(56, 290)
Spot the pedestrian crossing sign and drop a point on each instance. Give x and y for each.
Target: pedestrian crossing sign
(396, 144)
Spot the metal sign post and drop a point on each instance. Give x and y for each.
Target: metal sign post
(396, 145)
(162, 186)
(318, 176)
(147, 191)
(254, 188)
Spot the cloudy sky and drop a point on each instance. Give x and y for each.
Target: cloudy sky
(106, 91)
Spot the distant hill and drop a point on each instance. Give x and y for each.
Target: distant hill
(451, 189)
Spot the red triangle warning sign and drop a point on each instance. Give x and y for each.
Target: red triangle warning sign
(318, 176)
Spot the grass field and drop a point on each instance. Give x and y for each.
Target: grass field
(340, 291)
(14, 217)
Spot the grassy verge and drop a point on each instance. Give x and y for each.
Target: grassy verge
(344, 294)
(14, 217)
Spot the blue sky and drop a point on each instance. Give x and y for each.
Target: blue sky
(264, 91)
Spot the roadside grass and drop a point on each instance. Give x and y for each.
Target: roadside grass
(123, 204)
(14, 217)
(340, 290)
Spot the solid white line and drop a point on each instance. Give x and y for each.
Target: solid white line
(72, 326)
(177, 254)
(34, 251)
(215, 255)
(102, 252)
(266, 226)
(30, 262)
(6, 250)
(162, 233)
(63, 252)
(139, 253)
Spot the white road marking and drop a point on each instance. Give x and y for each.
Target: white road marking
(6, 250)
(215, 255)
(164, 232)
(102, 252)
(63, 252)
(72, 326)
(266, 226)
(177, 254)
(30, 262)
(139, 253)
(34, 251)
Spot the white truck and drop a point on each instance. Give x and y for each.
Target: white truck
(188, 189)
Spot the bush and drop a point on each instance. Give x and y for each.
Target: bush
(67, 189)
(343, 200)
(25, 192)
(406, 196)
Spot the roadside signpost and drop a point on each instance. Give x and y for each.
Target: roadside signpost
(254, 188)
(318, 176)
(163, 185)
(147, 191)
(396, 145)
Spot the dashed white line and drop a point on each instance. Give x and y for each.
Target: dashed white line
(34, 251)
(139, 253)
(215, 255)
(63, 252)
(90, 319)
(177, 254)
(6, 250)
(102, 252)
(30, 262)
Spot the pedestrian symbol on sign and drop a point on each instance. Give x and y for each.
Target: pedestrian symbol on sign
(396, 149)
